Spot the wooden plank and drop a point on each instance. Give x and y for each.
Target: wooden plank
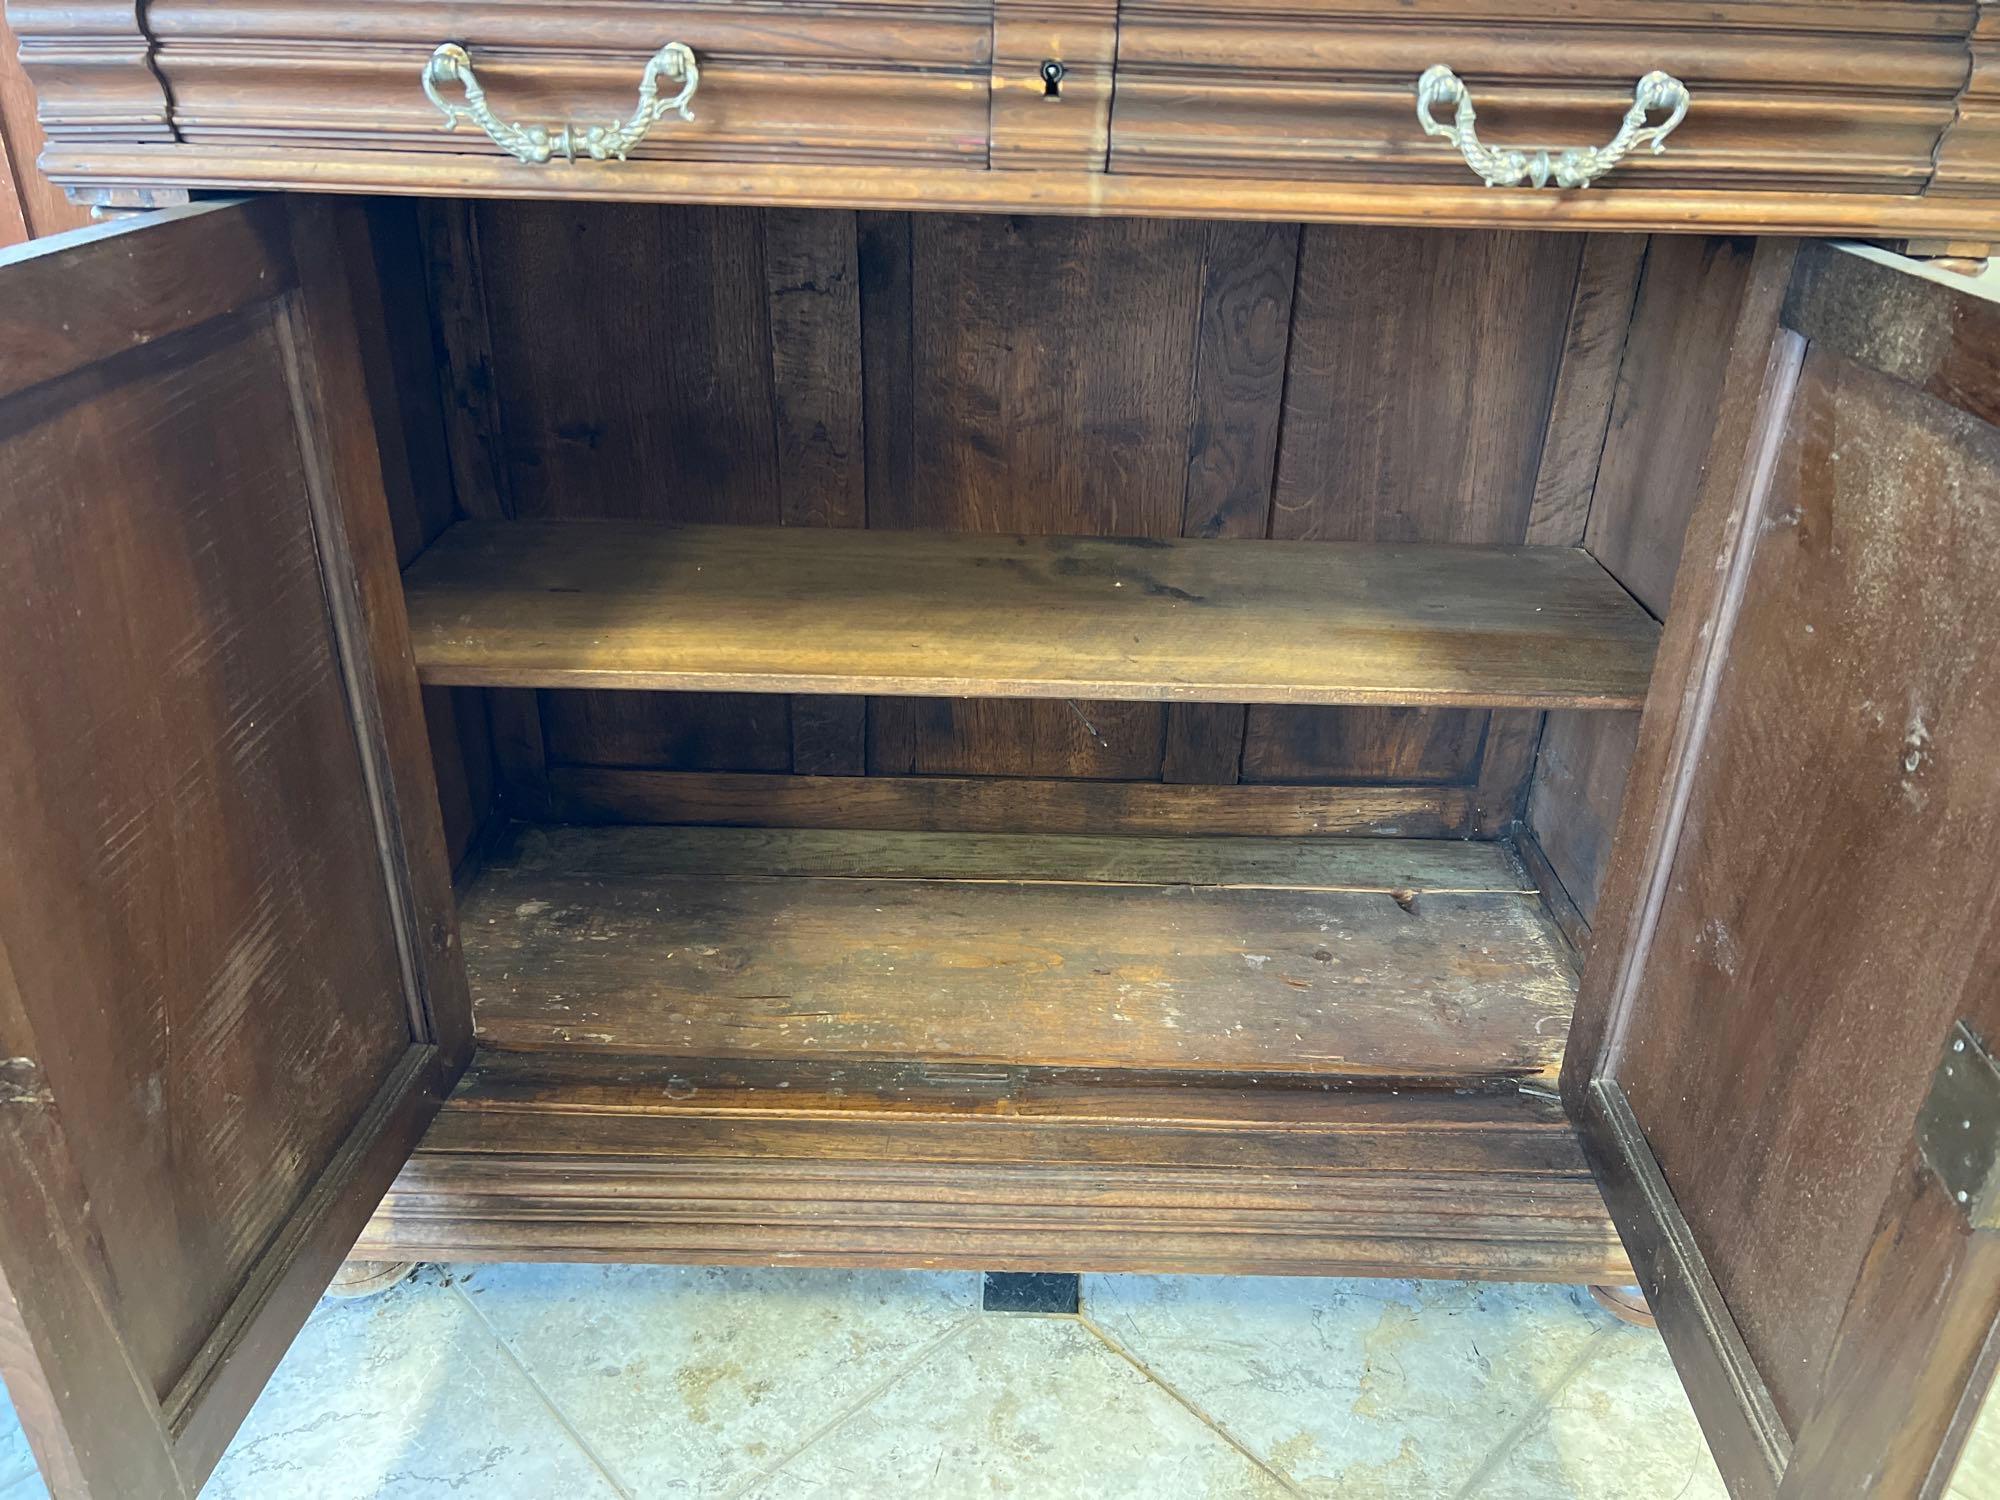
(1337, 864)
(570, 1156)
(594, 940)
(1607, 281)
(998, 804)
(1562, 908)
(911, 613)
(1050, 366)
(1666, 406)
(1471, 329)
(1669, 393)
(1932, 328)
(259, 166)
(1243, 338)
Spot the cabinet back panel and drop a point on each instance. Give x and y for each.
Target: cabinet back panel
(994, 373)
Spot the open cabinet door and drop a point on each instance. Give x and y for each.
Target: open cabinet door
(231, 995)
(1782, 1061)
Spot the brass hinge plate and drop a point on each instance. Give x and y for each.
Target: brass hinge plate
(1958, 1130)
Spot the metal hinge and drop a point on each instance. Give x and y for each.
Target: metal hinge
(1958, 1130)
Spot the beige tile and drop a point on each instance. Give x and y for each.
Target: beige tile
(405, 1396)
(1978, 1476)
(1022, 1406)
(1356, 1389)
(1621, 1429)
(691, 1380)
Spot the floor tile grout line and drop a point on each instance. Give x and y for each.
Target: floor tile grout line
(576, 1437)
(853, 1409)
(1211, 1423)
(1514, 1436)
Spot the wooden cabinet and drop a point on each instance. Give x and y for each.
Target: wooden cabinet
(1141, 741)
(1854, 117)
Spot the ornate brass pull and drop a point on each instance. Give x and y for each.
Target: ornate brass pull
(1576, 167)
(451, 64)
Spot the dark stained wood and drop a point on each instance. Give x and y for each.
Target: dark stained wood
(1669, 384)
(391, 285)
(1000, 804)
(1770, 993)
(1607, 283)
(915, 613)
(222, 826)
(1561, 906)
(591, 939)
(1470, 331)
(1745, 1433)
(1669, 389)
(815, 331)
(208, 265)
(1244, 338)
(560, 1155)
(1882, 605)
(1756, 393)
(1916, 1352)
(1933, 329)
(1581, 770)
(1050, 368)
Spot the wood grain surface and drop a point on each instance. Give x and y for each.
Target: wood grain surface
(924, 613)
(643, 941)
(568, 1156)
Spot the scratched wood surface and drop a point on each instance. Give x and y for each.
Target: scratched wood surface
(230, 992)
(590, 939)
(1781, 940)
(518, 604)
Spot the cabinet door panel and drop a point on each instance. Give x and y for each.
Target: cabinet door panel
(229, 990)
(1806, 899)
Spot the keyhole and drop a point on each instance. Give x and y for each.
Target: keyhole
(1052, 77)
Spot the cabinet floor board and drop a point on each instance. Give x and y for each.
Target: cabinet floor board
(1409, 961)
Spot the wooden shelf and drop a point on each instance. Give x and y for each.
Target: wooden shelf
(1403, 960)
(775, 609)
(578, 1156)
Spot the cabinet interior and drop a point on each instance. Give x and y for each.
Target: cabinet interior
(1001, 700)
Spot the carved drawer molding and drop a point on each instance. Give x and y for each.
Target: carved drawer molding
(1789, 94)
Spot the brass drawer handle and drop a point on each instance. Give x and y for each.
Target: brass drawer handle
(451, 64)
(1576, 167)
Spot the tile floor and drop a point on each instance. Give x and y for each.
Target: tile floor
(584, 1383)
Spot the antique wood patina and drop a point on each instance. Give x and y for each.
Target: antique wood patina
(1022, 634)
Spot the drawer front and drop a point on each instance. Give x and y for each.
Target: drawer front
(838, 81)
(1845, 96)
